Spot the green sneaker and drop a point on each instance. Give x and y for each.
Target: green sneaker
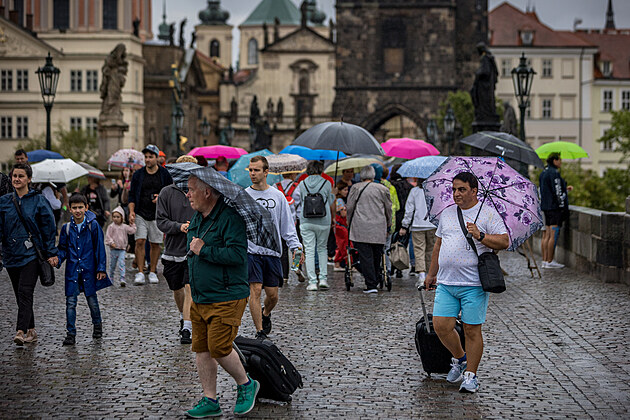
(205, 408)
(246, 397)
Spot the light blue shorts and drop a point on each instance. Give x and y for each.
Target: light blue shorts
(471, 301)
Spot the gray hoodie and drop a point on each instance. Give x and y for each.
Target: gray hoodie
(173, 210)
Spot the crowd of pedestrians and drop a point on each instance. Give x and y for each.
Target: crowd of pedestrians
(215, 272)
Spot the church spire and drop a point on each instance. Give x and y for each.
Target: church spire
(610, 16)
(163, 29)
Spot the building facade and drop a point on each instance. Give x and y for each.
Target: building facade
(398, 59)
(79, 35)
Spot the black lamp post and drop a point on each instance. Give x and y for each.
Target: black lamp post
(449, 127)
(432, 131)
(205, 126)
(523, 76)
(48, 77)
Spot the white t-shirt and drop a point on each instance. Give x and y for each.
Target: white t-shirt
(458, 263)
(274, 201)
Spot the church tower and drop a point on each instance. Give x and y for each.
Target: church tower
(214, 35)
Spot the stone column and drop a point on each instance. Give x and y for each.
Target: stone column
(110, 139)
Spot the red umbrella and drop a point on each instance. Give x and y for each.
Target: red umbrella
(213, 152)
(409, 148)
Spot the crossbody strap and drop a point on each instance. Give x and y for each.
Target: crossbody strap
(39, 253)
(356, 205)
(460, 216)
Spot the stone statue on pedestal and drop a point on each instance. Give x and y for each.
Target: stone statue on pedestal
(510, 125)
(114, 71)
(280, 110)
(482, 92)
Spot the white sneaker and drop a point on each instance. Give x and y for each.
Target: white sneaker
(544, 264)
(311, 287)
(139, 279)
(323, 284)
(153, 278)
(554, 264)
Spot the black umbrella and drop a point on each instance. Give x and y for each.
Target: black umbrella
(505, 145)
(342, 137)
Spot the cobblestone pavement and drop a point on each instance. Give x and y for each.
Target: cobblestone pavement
(555, 347)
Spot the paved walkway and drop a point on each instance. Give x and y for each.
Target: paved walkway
(555, 347)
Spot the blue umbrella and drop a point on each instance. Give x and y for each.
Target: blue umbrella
(41, 154)
(421, 167)
(238, 172)
(311, 154)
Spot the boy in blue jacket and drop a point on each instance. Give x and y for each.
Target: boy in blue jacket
(81, 244)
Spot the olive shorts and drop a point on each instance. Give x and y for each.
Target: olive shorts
(215, 326)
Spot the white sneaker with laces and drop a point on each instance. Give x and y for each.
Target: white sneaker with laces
(554, 264)
(323, 284)
(153, 278)
(139, 279)
(470, 383)
(544, 264)
(311, 287)
(456, 373)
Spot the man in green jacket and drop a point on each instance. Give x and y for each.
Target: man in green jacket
(217, 266)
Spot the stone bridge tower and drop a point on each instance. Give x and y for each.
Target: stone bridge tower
(400, 58)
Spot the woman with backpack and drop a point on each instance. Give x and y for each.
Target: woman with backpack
(318, 206)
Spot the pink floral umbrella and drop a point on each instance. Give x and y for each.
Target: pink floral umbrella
(514, 197)
(213, 152)
(409, 148)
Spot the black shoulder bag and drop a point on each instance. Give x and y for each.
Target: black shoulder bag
(46, 272)
(490, 273)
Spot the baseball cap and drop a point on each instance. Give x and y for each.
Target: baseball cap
(151, 148)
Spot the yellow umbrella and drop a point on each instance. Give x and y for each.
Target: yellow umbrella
(355, 164)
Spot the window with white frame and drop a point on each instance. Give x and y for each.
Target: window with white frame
(91, 125)
(22, 80)
(546, 108)
(607, 100)
(75, 123)
(252, 51)
(76, 78)
(506, 67)
(606, 68)
(6, 80)
(21, 127)
(91, 80)
(608, 145)
(625, 100)
(547, 68)
(6, 127)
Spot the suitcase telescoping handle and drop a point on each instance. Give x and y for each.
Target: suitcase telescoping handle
(424, 308)
(240, 355)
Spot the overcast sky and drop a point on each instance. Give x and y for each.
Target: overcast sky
(558, 14)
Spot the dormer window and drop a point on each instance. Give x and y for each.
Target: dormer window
(606, 67)
(527, 36)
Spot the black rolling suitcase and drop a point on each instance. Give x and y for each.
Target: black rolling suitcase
(435, 357)
(265, 362)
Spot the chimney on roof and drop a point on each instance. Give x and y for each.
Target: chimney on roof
(610, 16)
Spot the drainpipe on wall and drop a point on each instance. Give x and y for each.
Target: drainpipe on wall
(580, 93)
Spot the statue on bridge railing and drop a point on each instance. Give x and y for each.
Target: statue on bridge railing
(482, 92)
(114, 71)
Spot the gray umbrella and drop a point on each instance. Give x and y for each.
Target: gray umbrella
(505, 145)
(340, 136)
(259, 224)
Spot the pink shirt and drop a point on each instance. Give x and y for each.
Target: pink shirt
(117, 234)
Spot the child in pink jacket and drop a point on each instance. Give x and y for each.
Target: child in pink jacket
(116, 239)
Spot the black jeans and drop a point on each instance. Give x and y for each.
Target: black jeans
(24, 279)
(370, 256)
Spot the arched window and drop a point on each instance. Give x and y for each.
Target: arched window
(304, 82)
(252, 51)
(215, 48)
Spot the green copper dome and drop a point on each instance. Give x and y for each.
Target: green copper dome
(267, 10)
(213, 14)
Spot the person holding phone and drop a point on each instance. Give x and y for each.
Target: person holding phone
(146, 184)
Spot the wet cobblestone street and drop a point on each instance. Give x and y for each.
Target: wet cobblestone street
(554, 347)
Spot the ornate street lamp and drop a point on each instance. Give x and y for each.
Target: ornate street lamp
(449, 127)
(48, 77)
(178, 117)
(432, 131)
(205, 126)
(522, 77)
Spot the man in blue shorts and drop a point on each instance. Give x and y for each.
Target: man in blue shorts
(265, 266)
(454, 268)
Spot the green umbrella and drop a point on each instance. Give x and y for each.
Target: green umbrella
(566, 149)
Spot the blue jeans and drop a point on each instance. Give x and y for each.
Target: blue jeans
(71, 312)
(117, 263)
(315, 238)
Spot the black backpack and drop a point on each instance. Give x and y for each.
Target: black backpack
(314, 203)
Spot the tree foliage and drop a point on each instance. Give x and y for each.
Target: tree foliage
(78, 145)
(464, 111)
(606, 193)
(619, 133)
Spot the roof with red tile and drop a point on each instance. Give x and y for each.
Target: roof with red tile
(614, 46)
(506, 22)
(211, 61)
